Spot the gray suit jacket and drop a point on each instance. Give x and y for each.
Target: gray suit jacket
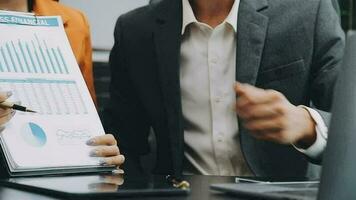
(293, 46)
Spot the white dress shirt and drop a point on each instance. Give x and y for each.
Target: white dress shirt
(207, 77)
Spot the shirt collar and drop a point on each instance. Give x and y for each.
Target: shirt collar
(189, 17)
(233, 15)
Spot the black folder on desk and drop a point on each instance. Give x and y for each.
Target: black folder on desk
(95, 186)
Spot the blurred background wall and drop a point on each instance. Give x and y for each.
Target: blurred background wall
(102, 15)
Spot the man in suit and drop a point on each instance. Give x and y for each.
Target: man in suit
(226, 85)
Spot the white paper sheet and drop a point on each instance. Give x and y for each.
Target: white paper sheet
(38, 66)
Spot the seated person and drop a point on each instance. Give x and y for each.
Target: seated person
(77, 29)
(226, 85)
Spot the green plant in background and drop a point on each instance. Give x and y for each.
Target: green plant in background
(348, 15)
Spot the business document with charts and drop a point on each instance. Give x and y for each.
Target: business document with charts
(39, 67)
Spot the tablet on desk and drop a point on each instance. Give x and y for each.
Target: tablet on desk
(271, 188)
(96, 186)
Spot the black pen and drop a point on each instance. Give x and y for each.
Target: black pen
(14, 106)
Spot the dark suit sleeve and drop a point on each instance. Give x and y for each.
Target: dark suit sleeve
(327, 57)
(124, 116)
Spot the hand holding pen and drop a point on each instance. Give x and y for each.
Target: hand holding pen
(5, 113)
(8, 109)
(8, 104)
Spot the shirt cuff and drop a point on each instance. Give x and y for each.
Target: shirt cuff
(315, 151)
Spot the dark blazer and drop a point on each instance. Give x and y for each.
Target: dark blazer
(293, 46)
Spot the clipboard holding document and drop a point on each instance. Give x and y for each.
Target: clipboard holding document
(37, 64)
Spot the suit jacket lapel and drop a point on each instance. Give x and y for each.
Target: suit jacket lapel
(167, 37)
(251, 34)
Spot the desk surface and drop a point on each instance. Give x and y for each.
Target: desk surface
(199, 190)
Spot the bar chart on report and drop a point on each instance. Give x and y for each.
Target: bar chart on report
(47, 97)
(32, 55)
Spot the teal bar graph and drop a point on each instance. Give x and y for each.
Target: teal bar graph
(17, 56)
(11, 58)
(31, 58)
(5, 60)
(43, 54)
(57, 61)
(50, 58)
(62, 59)
(1, 69)
(24, 57)
(35, 55)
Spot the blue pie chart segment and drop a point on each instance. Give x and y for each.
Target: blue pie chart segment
(34, 135)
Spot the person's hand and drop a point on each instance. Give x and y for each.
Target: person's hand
(106, 147)
(268, 115)
(108, 183)
(5, 113)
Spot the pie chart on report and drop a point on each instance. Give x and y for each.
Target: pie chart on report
(34, 135)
